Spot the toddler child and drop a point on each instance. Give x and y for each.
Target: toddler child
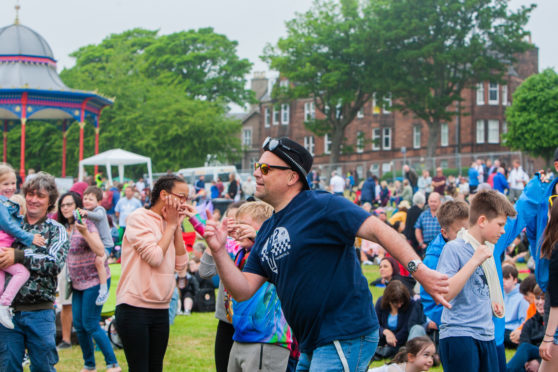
(416, 356)
(92, 196)
(10, 230)
(467, 329)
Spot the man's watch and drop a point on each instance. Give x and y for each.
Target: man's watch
(413, 265)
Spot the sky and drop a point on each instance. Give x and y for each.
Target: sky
(69, 24)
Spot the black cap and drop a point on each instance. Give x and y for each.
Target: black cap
(292, 153)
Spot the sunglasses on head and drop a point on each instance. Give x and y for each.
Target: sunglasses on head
(551, 199)
(270, 144)
(265, 168)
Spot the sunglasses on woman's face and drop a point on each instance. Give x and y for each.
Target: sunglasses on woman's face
(265, 168)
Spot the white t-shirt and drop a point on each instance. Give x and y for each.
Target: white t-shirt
(337, 184)
(517, 177)
(390, 368)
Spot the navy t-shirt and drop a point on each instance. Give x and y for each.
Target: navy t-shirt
(306, 250)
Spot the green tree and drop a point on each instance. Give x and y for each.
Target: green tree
(154, 115)
(329, 54)
(533, 116)
(436, 48)
(203, 63)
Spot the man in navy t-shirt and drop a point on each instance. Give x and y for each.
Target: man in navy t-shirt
(306, 250)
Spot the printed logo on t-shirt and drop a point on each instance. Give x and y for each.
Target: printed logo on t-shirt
(276, 247)
(480, 283)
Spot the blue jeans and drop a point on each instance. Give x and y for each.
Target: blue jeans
(524, 353)
(357, 351)
(34, 330)
(86, 322)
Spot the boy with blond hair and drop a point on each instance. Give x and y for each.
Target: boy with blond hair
(262, 338)
(467, 329)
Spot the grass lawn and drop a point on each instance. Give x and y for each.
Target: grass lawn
(191, 341)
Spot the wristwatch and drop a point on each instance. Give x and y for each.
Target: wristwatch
(413, 265)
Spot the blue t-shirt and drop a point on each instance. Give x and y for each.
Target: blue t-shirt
(471, 312)
(306, 250)
(473, 177)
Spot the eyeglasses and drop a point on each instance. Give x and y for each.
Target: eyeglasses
(65, 205)
(183, 198)
(265, 168)
(551, 199)
(539, 297)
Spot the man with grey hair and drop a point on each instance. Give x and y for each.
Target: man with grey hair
(427, 226)
(34, 326)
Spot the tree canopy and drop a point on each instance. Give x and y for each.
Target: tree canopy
(533, 116)
(329, 54)
(422, 53)
(171, 94)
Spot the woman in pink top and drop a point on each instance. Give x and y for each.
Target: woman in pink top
(85, 245)
(152, 250)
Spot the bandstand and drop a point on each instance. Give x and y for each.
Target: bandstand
(30, 89)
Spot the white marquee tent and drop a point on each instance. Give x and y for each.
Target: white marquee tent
(116, 157)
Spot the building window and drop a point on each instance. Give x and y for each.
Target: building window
(480, 131)
(267, 117)
(285, 113)
(493, 131)
(493, 94)
(444, 164)
(504, 95)
(387, 139)
(376, 134)
(247, 137)
(309, 144)
(327, 144)
(416, 137)
(387, 104)
(444, 134)
(504, 127)
(309, 112)
(284, 83)
(339, 111)
(360, 142)
(360, 113)
(376, 110)
(375, 169)
(480, 93)
(276, 115)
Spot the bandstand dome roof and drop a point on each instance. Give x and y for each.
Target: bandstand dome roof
(18, 39)
(26, 60)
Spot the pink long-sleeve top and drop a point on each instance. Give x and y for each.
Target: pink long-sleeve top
(147, 278)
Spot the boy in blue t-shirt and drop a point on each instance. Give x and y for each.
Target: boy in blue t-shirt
(467, 329)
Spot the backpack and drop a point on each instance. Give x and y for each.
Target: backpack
(107, 200)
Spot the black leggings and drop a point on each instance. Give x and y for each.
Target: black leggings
(145, 335)
(223, 345)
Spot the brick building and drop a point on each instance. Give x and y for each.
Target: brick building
(382, 139)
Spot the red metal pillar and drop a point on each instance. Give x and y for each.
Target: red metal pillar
(64, 137)
(81, 126)
(5, 141)
(23, 122)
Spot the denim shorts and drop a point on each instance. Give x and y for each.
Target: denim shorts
(556, 337)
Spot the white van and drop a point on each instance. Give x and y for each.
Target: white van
(222, 172)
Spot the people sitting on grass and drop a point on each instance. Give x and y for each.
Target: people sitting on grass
(393, 310)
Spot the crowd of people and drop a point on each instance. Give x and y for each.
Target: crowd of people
(291, 292)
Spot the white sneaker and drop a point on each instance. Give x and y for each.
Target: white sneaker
(6, 317)
(102, 298)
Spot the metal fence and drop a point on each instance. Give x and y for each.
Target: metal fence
(390, 169)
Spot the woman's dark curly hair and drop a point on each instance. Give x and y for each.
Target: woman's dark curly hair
(59, 216)
(164, 183)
